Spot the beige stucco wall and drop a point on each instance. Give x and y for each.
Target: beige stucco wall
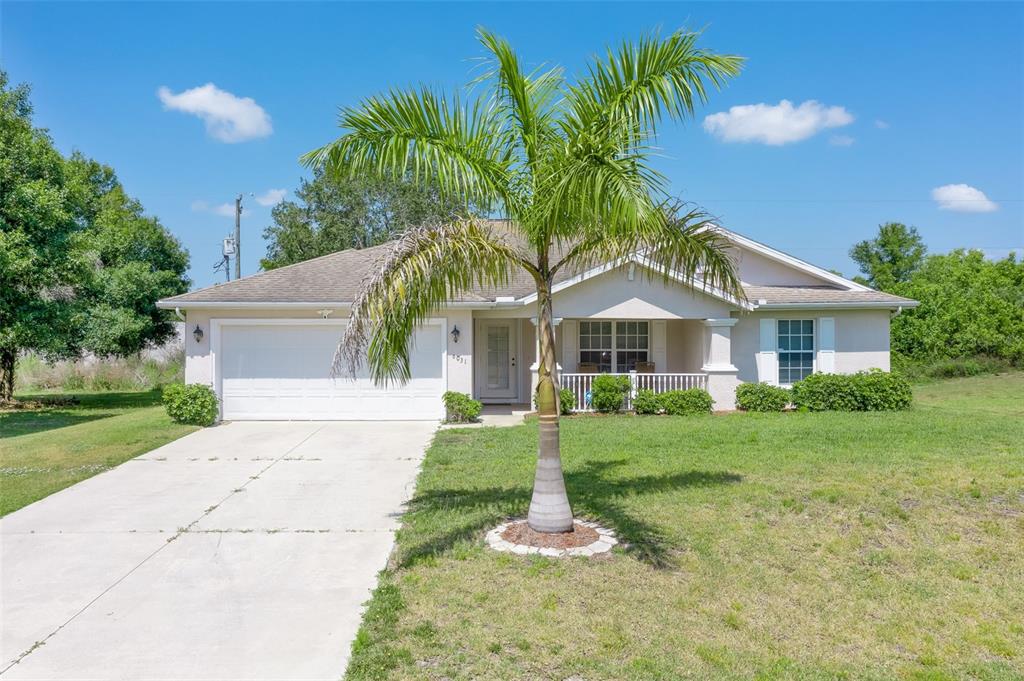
(862, 339)
(685, 346)
(755, 268)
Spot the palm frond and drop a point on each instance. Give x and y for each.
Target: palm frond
(423, 269)
(528, 98)
(641, 82)
(462, 147)
(676, 243)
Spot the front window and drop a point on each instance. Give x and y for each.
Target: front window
(616, 352)
(796, 349)
(630, 345)
(596, 345)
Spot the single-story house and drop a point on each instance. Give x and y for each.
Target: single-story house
(265, 342)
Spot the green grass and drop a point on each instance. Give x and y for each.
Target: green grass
(803, 546)
(44, 451)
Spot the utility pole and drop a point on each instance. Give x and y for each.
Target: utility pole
(238, 237)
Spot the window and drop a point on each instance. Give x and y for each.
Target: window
(596, 345)
(630, 345)
(796, 349)
(618, 352)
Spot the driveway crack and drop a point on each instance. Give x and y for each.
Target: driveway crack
(181, 530)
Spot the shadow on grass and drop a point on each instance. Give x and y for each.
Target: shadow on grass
(89, 407)
(593, 493)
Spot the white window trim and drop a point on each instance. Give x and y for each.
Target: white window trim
(779, 351)
(615, 348)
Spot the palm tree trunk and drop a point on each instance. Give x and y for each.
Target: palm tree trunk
(549, 507)
(8, 357)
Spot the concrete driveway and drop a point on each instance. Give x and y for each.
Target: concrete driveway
(243, 551)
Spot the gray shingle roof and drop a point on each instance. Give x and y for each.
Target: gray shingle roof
(809, 295)
(336, 278)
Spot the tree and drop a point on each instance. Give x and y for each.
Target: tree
(133, 261)
(968, 306)
(335, 213)
(36, 245)
(81, 266)
(567, 163)
(889, 258)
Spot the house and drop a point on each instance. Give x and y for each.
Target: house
(265, 342)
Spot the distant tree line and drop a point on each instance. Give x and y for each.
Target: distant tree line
(81, 264)
(970, 305)
(336, 213)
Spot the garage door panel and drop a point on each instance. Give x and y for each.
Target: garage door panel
(282, 371)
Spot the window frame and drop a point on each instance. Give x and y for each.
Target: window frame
(779, 351)
(614, 348)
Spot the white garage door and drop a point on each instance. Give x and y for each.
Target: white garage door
(282, 371)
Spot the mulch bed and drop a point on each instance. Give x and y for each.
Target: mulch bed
(520, 533)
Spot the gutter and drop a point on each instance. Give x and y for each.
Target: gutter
(845, 306)
(178, 305)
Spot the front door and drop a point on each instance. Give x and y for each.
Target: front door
(497, 366)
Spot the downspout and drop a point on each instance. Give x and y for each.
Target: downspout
(177, 313)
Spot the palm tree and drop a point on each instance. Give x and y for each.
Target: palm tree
(566, 162)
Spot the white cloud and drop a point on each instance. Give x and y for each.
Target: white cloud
(841, 140)
(228, 118)
(963, 198)
(271, 197)
(881, 125)
(775, 124)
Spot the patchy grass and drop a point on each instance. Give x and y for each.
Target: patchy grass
(761, 546)
(43, 451)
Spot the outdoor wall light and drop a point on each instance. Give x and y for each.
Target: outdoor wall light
(198, 334)
(455, 334)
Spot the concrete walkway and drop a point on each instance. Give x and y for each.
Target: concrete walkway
(243, 551)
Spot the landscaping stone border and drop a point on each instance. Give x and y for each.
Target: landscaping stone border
(606, 540)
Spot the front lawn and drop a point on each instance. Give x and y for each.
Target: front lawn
(43, 451)
(769, 546)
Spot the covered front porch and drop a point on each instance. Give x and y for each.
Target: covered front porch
(656, 354)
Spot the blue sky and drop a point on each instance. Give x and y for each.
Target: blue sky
(911, 98)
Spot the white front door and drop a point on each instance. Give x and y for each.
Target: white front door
(498, 378)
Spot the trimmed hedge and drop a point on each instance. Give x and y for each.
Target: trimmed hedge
(194, 403)
(761, 397)
(686, 402)
(673, 402)
(646, 402)
(461, 408)
(874, 390)
(608, 393)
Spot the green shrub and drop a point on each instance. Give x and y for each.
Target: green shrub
(646, 402)
(608, 393)
(194, 403)
(761, 397)
(686, 402)
(567, 401)
(461, 408)
(873, 390)
(957, 367)
(879, 390)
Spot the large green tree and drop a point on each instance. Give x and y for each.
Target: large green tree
(969, 306)
(333, 213)
(37, 227)
(567, 161)
(81, 266)
(891, 257)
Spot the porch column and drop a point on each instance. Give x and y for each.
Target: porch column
(535, 367)
(722, 374)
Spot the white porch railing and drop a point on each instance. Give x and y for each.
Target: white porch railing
(580, 385)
